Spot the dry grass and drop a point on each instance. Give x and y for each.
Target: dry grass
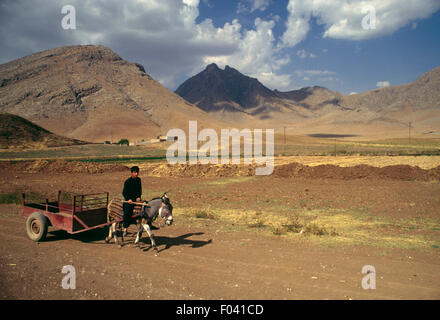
(331, 227)
(424, 162)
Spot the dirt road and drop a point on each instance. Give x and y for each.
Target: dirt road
(198, 263)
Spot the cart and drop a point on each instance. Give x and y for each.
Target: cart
(71, 212)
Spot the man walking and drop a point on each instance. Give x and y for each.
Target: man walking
(132, 192)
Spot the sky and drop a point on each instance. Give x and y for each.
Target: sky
(349, 46)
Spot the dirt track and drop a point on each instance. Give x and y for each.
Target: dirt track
(204, 260)
(195, 263)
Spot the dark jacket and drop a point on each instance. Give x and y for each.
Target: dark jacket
(132, 189)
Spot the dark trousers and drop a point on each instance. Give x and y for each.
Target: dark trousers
(128, 213)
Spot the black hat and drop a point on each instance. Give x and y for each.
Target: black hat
(135, 168)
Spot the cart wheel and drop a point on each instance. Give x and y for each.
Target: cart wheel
(36, 226)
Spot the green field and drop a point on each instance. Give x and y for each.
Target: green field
(90, 152)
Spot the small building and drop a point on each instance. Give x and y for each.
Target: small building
(166, 138)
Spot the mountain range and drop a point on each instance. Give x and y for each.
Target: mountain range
(90, 93)
(235, 97)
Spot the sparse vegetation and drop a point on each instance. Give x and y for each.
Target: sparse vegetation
(204, 214)
(10, 198)
(89, 152)
(124, 142)
(328, 227)
(15, 197)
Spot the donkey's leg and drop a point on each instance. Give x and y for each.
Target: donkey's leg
(150, 234)
(121, 229)
(139, 234)
(110, 234)
(115, 232)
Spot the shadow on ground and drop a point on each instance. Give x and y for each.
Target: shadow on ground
(98, 236)
(175, 241)
(87, 236)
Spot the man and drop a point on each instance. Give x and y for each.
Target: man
(132, 192)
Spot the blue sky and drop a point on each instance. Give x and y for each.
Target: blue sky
(286, 44)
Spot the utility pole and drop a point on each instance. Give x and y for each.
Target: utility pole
(409, 132)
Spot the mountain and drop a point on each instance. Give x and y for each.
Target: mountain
(215, 89)
(234, 97)
(312, 98)
(16, 132)
(423, 93)
(91, 93)
(229, 95)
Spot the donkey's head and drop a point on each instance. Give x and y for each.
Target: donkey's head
(166, 210)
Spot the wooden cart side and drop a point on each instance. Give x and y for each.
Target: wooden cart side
(90, 211)
(59, 218)
(74, 217)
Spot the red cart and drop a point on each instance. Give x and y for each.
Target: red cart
(71, 212)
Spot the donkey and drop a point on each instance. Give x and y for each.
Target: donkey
(149, 212)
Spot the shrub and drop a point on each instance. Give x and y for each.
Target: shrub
(202, 214)
(123, 141)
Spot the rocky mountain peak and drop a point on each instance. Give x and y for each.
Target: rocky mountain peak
(216, 89)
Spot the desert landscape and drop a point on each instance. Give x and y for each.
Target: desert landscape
(355, 180)
(304, 232)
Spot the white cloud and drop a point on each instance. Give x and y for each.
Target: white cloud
(259, 5)
(383, 84)
(249, 6)
(342, 19)
(256, 56)
(301, 73)
(297, 23)
(191, 3)
(302, 54)
(324, 77)
(274, 81)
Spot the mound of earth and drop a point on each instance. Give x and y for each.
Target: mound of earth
(297, 170)
(291, 170)
(399, 172)
(61, 166)
(203, 170)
